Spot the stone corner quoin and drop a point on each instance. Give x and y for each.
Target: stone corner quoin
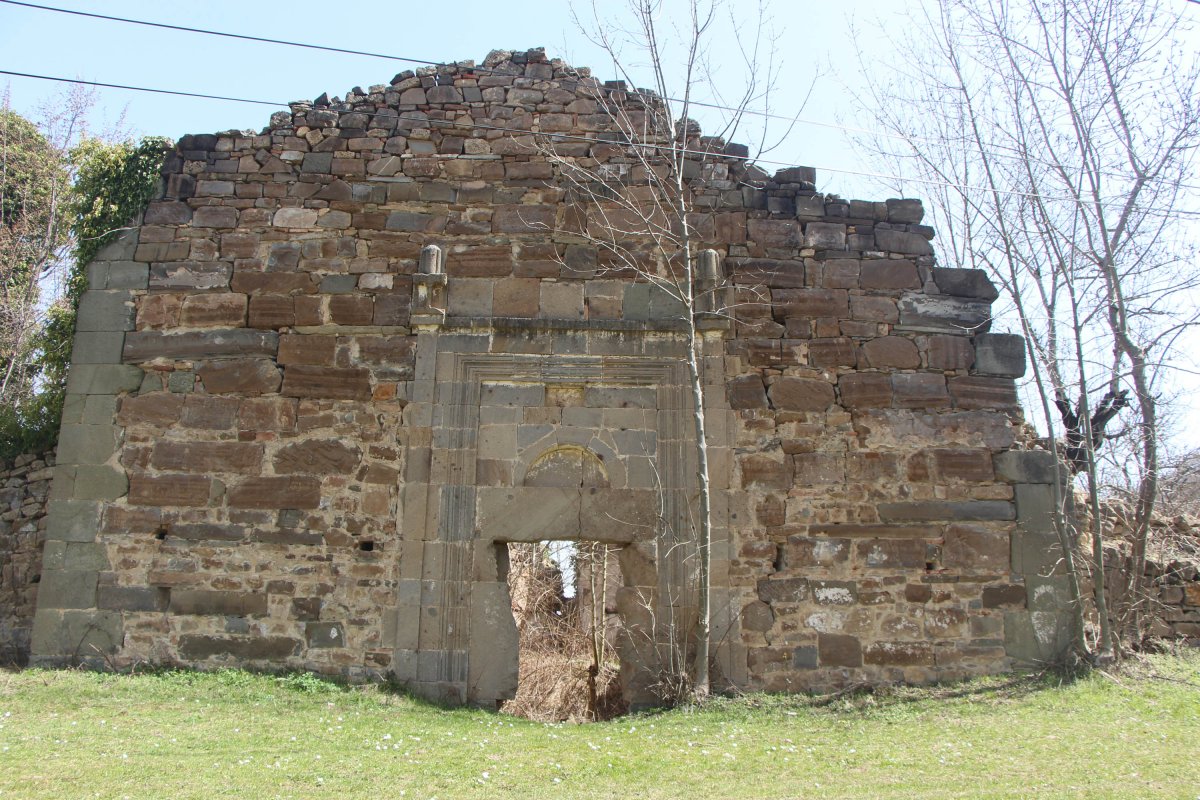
(292, 440)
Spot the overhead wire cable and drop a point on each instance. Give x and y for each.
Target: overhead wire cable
(475, 124)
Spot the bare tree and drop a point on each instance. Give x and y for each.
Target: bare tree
(1057, 138)
(638, 204)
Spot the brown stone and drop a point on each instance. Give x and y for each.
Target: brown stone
(874, 309)
(267, 414)
(516, 297)
(197, 647)
(889, 274)
(169, 490)
(919, 390)
(393, 351)
(836, 650)
(865, 390)
(976, 393)
(757, 616)
(352, 309)
(159, 409)
(267, 492)
(205, 602)
(765, 272)
(774, 233)
(964, 464)
(158, 311)
(811, 303)
(899, 654)
(480, 262)
(245, 376)
(765, 472)
(783, 590)
(803, 551)
(209, 413)
(272, 311)
(523, 219)
(835, 352)
(317, 457)
(330, 383)
(147, 345)
(307, 349)
(975, 549)
(918, 592)
(948, 352)
(895, 352)
(891, 553)
(223, 310)
(800, 394)
(273, 282)
(819, 468)
(206, 457)
(746, 391)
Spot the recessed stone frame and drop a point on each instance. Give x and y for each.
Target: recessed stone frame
(455, 634)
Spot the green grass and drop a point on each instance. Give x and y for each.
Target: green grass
(233, 734)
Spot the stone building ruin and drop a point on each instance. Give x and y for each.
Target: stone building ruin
(337, 366)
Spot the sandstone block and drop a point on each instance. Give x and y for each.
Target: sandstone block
(746, 391)
(156, 409)
(930, 510)
(215, 217)
(480, 262)
(197, 647)
(899, 654)
(836, 650)
(271, 311)
(330, 383)
(765, 472)
(832, 352)
(832, 303)
(897, 352)
(269, 492)
(213, 311)
(944, 313)
(1025, 466)
(889, 274)
(191, 275)
(975, 549)
(822, 235)
(317, 457)
(948, 352)
(920, 390)
(204, 602)
(978, 392)
(972, 283)
(902, 242)
(207, 457)
(1000, 355)
(206, 412)
(146, 345)
(865, 390)
(267, 414)
(906, 211)
(800, 394)
(766, 272)
(169, 490)
(783, 590)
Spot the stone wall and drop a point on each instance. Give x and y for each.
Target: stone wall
(297, 435)
(24, 488)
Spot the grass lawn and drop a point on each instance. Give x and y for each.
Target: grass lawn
(68, 734)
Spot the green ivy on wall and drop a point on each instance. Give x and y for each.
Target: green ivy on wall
(113, 184)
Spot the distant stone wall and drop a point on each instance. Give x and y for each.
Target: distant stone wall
(296, 436)
(24, 488)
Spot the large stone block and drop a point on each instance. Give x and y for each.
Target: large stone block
(91, 379)
(801, 394)
(329, 383)
(86, 444)
(1026, 466)
(931, 510)
(190, 275)
(216, 310)
(811, 303)
(889, 274)
(147, 345)
(746, 392)
(67, 588)
(110, 310)
(865, 390)
(244, 376)
(207, 457)
(902, 242)
(169, 490)
(938, 313)
(205, 602)
(999, 354)
(317, 457)
(197, 647)
(272, 492)
(837, 650)
(65, 636)
(974, 392)
(973, 283)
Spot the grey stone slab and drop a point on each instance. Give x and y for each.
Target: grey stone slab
(122, 247)
(664, 304)
(636, 302)
(103, 379)
(99, 409)
(940, 313)
(1035, 507)
(470, 297)
(1050, 593)
(109, 310)
(618, 515)
(191, 275)
(127, 275)
(1036, 554)
(324, 634)
(1026, 466)
(512, 394)
(562, 300)
(642, 397)
(927, 510)
(86, 444)
(62, 637)
(999, 354)
(98, 347)
(100, 483)
(1036, 638)
(338, 284)
(636, 442)
(72, 520)
(492, 673)
(528, 514)
(63, 588)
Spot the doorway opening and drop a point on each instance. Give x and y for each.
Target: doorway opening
(564, 603)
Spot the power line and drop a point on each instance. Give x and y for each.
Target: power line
(575, 137)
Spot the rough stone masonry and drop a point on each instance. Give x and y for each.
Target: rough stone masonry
(317, 386)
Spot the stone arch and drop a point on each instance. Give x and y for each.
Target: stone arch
(567, 465)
